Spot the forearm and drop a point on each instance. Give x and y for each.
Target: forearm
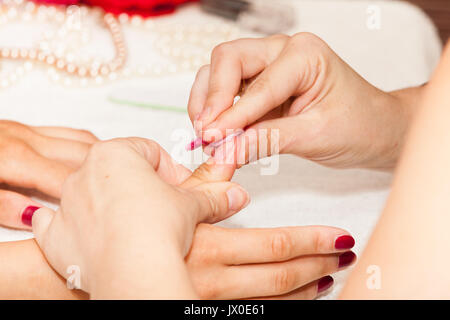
(25, 274)
(410, 244)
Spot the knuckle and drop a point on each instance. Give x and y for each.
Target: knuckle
(303, 38)
(319, 242)
(101, 149)
(88, 135)
(203, 172)
(259, 85)
(283, 281)
(278, 37)
(281, 245)
(203, 254)
(12, 126)
(207, 290)
(213, 205)
(13, 148)
(326, 264)
(7, 197)
(222, 50)
(68, 185)
(201, 71)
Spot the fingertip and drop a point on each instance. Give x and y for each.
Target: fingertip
(238, 199)
(344, 242)
(27, 215)
(324, 284)
(346, 259)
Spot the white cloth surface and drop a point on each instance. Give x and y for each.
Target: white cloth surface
(403, 52)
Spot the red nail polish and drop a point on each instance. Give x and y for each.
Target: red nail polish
(344, 242)
(346, 259)
(324, 284)
(27, 215)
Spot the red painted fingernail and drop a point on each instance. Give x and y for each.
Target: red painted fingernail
(194, 144)
(324, 284)
(27, 215)
(344, 242)
(346, 259)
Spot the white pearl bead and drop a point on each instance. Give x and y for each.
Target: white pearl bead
(12, 13)
(123, 18)
(26, 16)
(20, 71)
(112, 76)
(30, 6)
(98, 80)
(6, 52)
(14, 53)
(60, 64)
(136, 21)
(28, 66)
(4, 83)
(70, 68)
(82, 71)
(50, 59)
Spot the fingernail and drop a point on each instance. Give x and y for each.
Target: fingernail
(27, 215)
(238, 199)
(324, 284)
(344, 242)
(346, 259)
(194, 144)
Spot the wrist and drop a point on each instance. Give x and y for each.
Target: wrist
(399, 107)
(137, 273)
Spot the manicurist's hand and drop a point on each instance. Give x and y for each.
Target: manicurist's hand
(36, 158)
(127, 219)
(323, 109)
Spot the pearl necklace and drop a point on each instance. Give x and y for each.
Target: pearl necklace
(196, 40)
(42, 54)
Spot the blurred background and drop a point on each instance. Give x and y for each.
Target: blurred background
(439, 11)
(125, 68)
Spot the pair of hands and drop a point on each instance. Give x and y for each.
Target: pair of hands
(222, 263)
(323, 110)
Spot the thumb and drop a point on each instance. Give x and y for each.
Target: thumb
(219, 200)
(42, 219)
(219, 168)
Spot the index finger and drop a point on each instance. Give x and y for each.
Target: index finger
(230, 63)
(246, 246)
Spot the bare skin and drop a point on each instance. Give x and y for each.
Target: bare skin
(280, 256)
(323, 109)
(411, 242)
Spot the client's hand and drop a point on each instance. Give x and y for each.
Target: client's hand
(37, 158)
(279, 263)
(323, 109)
(127, 219)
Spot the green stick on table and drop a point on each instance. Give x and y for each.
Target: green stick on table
(146, 105)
